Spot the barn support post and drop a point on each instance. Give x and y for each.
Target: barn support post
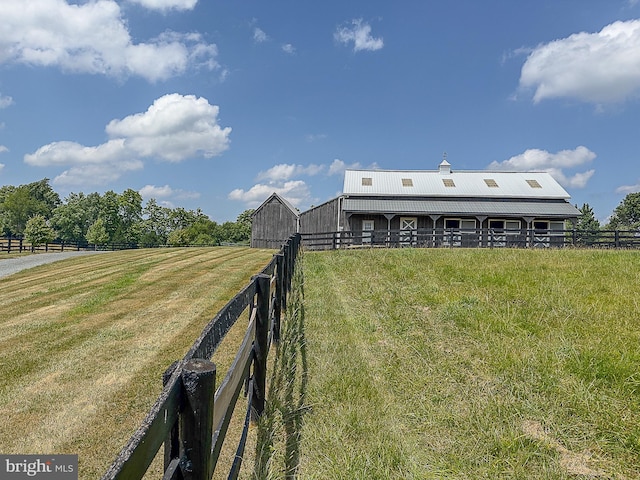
(196, 421)
(260, 346)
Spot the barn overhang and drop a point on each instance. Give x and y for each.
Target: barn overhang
(438, 207)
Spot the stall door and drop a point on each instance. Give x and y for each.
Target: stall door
(367, 231)
(408, 231)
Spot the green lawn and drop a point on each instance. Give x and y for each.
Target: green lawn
(84, 343)
(393, 363)
(472, 364)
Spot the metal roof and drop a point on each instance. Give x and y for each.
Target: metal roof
(460, 207)
(432, 183)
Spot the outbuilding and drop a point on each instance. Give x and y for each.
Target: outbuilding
(273, 222)
(444, 208)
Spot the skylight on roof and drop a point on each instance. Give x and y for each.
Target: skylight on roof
(491, 183)
(534, 184)
(407, 182)
(448, 182)
(367, 181)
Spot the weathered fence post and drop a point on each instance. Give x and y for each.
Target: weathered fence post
(260, 345)
(172, 442)
(196, 421)
(278, 299)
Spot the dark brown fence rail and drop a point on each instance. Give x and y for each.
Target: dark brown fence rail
(190, 417)
(18, 245)
(472, 238)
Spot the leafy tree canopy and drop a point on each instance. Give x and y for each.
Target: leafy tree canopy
(111, 218)
(626, 216)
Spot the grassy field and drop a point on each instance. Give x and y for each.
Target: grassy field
(470, 364)
(403, 363)
(84, 342)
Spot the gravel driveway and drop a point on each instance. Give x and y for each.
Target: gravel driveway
(9, 266)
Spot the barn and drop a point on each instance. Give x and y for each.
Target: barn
(273, 222)
(444, 208)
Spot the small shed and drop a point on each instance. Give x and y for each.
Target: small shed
(273, 222)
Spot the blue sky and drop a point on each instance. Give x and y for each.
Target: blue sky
(217, 104)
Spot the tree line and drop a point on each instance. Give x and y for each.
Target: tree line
(36, 213)
(625, 218)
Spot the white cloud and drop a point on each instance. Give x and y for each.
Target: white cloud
(359, 33)
(626, 189)
(600, 67)
(165, 192)
(96, 174)
(3, 149)
(295, 191)
(288, 48)
(93, 38)
(553, 163)
(173, 129)
(5, 101)
(165, 5)
(287, 171)
(314, 137)
(259, 36)
(338, 167)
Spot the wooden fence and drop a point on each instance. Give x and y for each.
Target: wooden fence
(190, 417)
(18, 245)
(472, 238)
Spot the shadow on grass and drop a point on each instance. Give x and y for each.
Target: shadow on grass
(280, 427)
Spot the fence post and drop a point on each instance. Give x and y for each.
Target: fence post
(278, 300)
(260, 346)
(196, 421)
(172, 442)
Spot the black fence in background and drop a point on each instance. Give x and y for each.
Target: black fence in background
(19, 245)
(472, 238)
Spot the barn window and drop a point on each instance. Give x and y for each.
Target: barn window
(448, 182)
(407, 182)
(491, 182)
(534, 184)
(367, 181)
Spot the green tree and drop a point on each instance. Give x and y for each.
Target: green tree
(626, 216)
(130, 216)
(72, 219)
(47, 199)
(18, 206)
(156, 224)
(243, 225)
(38, 232)
(178, 238)
(97, 233)
(110, 215)
(587, 226)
